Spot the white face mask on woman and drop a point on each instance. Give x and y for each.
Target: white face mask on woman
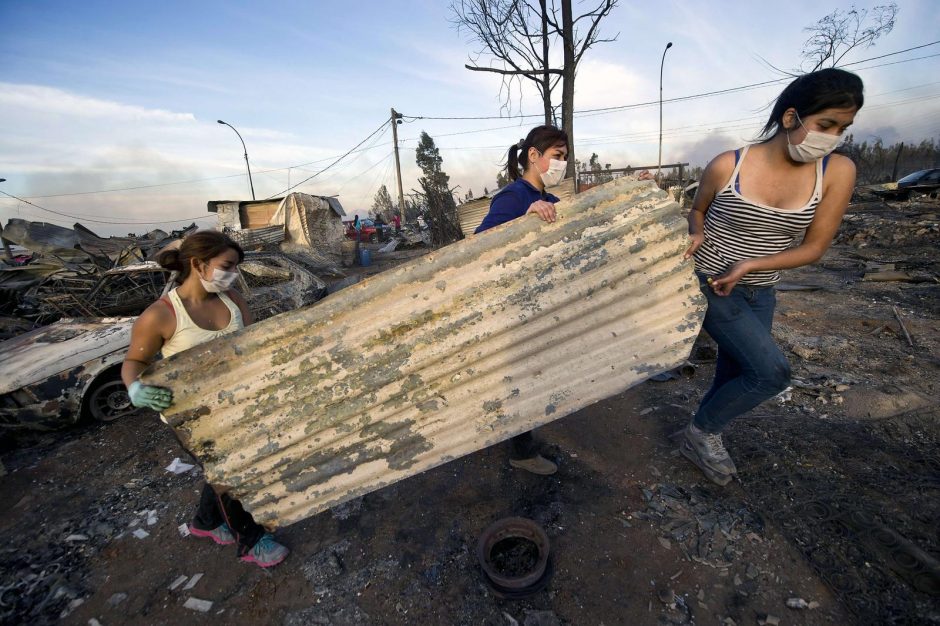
(555, 173)
(220, 281)
(814, 146)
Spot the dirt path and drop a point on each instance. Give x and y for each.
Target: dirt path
(837, 504)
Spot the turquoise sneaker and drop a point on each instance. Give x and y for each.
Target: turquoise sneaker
(221, 535)
(266, 553)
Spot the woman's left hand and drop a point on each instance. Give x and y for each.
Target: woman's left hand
(726, 282)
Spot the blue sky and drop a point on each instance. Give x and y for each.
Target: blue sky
(101, 96)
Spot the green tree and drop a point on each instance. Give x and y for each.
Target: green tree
(502, 179)
(383, 206)
(437, 194)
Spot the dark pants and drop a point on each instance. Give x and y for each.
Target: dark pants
(214, 510)
(523, 446)
(750, 367)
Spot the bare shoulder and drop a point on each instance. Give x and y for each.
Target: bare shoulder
(156, 318)
(841, 165)
(719, 169)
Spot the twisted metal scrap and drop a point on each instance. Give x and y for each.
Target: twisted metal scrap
(440, 357)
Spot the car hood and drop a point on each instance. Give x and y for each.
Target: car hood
(46, 351)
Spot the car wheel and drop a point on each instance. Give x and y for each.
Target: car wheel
(108, 400)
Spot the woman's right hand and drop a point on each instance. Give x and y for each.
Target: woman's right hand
(695, 242)
(149, 397)
(544, 209)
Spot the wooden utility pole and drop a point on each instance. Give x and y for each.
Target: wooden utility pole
(396, 120)
(567, 87)
(6, 244)
(897, 157)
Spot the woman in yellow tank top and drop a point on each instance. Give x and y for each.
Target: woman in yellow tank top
(201, 308)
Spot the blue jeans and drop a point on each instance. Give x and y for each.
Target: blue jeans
(750, 368)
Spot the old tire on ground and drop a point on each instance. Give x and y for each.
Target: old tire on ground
(107, 399)
(523, 584)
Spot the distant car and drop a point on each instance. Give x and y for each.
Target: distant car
(923, 181)
(53, 376)
(371, 231)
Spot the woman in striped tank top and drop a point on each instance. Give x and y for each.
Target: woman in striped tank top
(751, 207)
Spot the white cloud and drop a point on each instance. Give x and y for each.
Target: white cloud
(43, 100)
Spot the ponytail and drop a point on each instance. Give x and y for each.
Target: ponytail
(512, 161)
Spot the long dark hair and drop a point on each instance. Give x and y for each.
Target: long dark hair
(541, 138)
(202, 245)
(830, 88)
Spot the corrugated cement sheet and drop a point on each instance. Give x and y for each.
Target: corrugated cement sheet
(442, 356)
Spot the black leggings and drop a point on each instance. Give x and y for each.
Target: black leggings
(215, 510)
(523, 446)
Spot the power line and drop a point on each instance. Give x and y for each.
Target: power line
(365, 171)
(891, 54)
(381, 126)
(126, 223)
(678, 99)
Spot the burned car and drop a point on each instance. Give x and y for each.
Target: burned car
(52, 376)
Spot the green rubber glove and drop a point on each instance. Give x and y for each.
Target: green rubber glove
(149, 397)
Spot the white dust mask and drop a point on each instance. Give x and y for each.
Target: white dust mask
(815, 145)
(220, 281)
(555, 173)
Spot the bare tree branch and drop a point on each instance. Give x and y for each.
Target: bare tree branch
(527, 73)
(835, 35)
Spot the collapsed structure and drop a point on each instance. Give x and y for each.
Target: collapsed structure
(440, 357)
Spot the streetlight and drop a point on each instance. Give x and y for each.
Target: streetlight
(246, 155)
(659, 163)
(6, 244)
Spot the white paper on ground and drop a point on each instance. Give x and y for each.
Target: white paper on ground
(192, 582)
(178, 467)
(196, 604)
(176, 583)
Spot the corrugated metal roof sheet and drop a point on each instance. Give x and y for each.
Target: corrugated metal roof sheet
(442, 356)
(251, 238)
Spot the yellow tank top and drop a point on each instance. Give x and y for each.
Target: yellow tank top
(188, 334)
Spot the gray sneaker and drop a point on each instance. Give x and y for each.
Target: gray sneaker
(536, 465)
(708, 452)
(266, 553)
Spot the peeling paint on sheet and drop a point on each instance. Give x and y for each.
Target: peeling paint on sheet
(504, 332)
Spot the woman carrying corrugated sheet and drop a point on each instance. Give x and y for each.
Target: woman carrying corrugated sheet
(751, 206)
(201, 308)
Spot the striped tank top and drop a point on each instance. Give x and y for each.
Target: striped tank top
(737, 228)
